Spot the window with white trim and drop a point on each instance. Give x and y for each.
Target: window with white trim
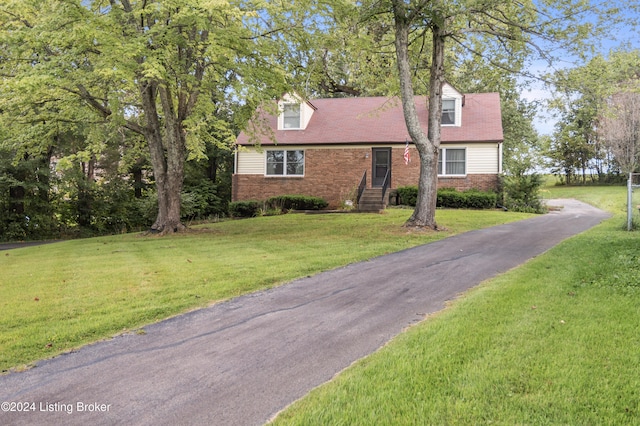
(454, 160)
(285, 163)
(448, 111)
(291, 116)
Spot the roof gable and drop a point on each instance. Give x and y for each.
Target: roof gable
(448, 91)
(374, 120)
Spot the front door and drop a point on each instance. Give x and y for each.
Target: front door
(381, 165)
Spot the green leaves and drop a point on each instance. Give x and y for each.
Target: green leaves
(584, 96)
(170, 71)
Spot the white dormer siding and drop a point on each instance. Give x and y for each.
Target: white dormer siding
(294, 113)
(451, 106)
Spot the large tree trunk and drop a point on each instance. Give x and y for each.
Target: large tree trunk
(427, 144)
(169, 173)
(167, 158)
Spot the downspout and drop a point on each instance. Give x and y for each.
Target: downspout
(500, 179)
(234, 176)
(235, 160)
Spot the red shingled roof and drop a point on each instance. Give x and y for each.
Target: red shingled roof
(380, 120)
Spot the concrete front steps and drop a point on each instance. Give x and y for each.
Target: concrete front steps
(371, 201)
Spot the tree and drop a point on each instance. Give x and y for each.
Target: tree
(585, 95)
(355, 56)
(620, 128)
(575, 143)
(140, 65)
(504, 34)
(26, 210)
(427, 144)
(497, 26)
(569, 150)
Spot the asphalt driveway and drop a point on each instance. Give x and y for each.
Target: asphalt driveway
(240, 362)
(16, 245)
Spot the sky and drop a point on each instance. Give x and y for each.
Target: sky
(621, 36)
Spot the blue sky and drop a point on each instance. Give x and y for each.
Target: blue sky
(619, 37)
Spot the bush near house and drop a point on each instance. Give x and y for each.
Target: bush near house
(452, 198)
(248, 208)
(277, 204)
(408, 195)
(296, 202)
(522, 193)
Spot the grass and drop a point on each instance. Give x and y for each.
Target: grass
(553, 342)
(57, 297)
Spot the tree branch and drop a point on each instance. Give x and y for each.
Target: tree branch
(102, 109)
(92, 100)
(497, 64)
(20, 19)
(126, 5)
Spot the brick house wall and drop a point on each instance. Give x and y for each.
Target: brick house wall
(334, 174)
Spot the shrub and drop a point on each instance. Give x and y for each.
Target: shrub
(521, 193)
(471, 199)
(248, 208)
(200, 200)
(408, 195)
(452, 198)
(115, 209)
(295, 202)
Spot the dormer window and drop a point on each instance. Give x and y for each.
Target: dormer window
(449, 111)
(291, 116)
(294, 113)
(452, 106)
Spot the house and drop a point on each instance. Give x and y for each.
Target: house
(325, 147)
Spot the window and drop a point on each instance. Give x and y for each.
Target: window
(448, 111)
(291, 116)
(285, 163)
(455, 161)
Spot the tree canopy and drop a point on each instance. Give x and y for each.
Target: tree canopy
(586, 103)
(152, 90)
(504, 34)
(157, 69)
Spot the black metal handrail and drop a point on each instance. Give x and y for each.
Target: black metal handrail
(385, 183)
(362, 186)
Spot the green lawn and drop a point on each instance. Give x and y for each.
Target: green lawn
(555, 341)
(57, 297)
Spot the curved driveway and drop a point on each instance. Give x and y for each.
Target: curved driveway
(240, 362)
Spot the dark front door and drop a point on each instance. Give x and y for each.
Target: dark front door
(381, 165)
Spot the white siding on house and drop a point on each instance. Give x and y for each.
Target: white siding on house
(482, 159)
(449, 92)
(306, 111)
(250, 162)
